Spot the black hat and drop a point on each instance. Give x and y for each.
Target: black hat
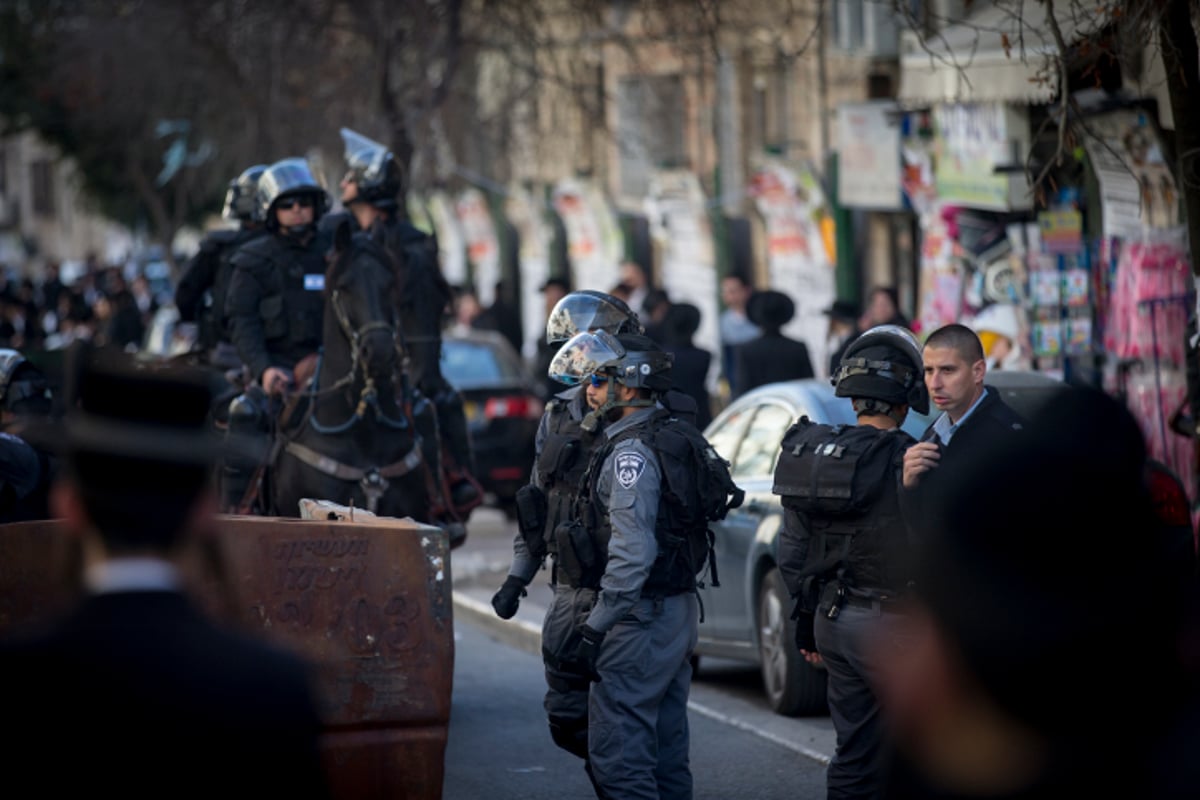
(559, 282)
(118, 406)
(843, 310)
(770, 309)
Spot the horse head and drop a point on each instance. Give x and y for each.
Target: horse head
(360, 287)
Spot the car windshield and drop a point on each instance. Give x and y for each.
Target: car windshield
(469, 365)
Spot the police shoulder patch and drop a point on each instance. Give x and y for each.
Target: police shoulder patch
(629, 466)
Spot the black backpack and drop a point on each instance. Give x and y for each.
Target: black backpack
(832, 470)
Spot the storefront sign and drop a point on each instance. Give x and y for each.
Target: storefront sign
(972, 140)
(869, 173)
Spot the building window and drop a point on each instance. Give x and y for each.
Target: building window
(41, 175)
(650, 128)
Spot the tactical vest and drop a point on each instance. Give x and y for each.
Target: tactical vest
(844, 480)
(561, 465)
(213, 323)
(696, 489)
(291, 313)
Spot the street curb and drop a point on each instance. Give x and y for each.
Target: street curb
(518, 633)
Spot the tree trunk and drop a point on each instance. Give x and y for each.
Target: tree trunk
(1182, 62)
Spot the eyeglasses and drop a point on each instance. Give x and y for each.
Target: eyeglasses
(599, 380)
(288, 203)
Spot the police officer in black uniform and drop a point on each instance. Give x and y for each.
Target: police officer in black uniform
(844, 552)
(637, 548)
(275, 301)
(201, 293)
(565, 439)
(370, 192)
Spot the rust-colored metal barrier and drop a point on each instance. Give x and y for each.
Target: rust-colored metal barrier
(368, 602)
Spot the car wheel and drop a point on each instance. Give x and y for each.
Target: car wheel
(794, 687)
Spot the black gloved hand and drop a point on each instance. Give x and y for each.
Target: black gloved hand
(588, 653)
(506, 600)
(805, 638)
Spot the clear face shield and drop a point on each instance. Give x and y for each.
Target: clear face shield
(585, 355)
(579, 312)
(365, 158)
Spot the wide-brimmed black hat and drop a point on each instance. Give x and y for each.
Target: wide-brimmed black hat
(844, 310)
(117, 406)
(770, 309)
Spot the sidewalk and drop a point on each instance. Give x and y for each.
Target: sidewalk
(479, 566)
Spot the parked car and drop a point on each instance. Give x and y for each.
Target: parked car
(748, 617)
(502, 409)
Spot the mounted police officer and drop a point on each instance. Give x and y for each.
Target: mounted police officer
(639, 538)
(844, 552)
(275, 301)
(371, 191)
(201, 293)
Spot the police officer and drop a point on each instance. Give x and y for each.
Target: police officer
(200, 295)
(844, 550)
(275, 301)
(635, 642)
(565, 439)
(370, 191)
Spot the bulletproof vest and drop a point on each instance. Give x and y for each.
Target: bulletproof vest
(213, 322)
(696, 489)
(292, 307)
(844, 481)
(561, 464)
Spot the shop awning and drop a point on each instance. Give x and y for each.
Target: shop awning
(967, 62)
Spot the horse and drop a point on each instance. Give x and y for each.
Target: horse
(350, 437)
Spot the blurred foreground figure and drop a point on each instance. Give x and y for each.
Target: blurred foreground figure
(1051, 649)
(136, 693)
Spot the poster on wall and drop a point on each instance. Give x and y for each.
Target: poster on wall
(792, 205)
(675, 206)
(483, 245)
(940, 300)
(972, 140)
(1137, 189)
(452, 251)
(526, 212)
(593, 236)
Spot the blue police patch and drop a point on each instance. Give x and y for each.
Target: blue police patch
(629, 467)
(314, 282)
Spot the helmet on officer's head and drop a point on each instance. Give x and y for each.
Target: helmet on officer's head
(23, 387)
(372, 168)
(884, 364)
(288, 178)
(589, 310)
(631, 359)
(240, 200)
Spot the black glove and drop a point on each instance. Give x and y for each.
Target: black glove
(583, 662)
(506, 600)
(805, 638)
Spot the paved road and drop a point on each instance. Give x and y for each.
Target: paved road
(499, 748)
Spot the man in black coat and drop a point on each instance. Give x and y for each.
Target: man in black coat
(972, 415)
(772, 356)
(136, 693)
(689, 372)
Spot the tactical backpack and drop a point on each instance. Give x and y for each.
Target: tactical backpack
(697, 489)
(836, 476)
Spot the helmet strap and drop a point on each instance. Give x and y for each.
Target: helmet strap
(872, 406)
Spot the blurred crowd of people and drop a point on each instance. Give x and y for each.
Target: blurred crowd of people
(102, 306)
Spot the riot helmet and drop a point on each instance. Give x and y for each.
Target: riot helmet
(373, 169)
(629, 359)
(884, 364)
(589, 310)
(23, 387)
(287, 178)
(240, 200)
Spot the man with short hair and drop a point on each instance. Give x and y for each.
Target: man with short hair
(136, 693)
(734, 324)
